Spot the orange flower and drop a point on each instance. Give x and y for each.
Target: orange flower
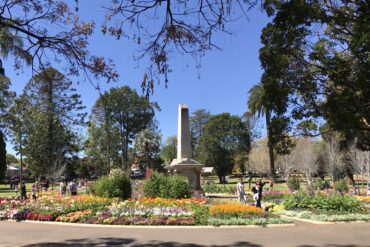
(234, 210)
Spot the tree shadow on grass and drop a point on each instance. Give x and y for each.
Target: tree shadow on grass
(129, 242)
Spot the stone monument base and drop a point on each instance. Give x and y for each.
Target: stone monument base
(188, 168)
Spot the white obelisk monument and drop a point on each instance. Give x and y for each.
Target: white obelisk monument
(184, 165)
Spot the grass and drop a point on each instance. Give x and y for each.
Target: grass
(6, 191)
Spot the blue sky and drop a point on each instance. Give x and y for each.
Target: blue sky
(221, 84)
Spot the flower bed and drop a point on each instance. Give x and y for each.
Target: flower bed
(323, 202)
(236, 211)
(142, 211)
(49, 207)
(326, 217)
(365, 199)
(326, 208)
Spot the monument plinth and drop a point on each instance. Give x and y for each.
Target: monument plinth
(185, 165)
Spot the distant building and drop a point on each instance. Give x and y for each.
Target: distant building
(12, 170)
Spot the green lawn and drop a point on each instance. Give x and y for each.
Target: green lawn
(5, 190)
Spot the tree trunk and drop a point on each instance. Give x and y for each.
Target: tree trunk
(349, 172)
(269, 144)
(50, 122)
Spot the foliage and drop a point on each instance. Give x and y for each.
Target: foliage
(30, 32)
(169, 150)
(224, 136)
(117, 117)
(147, 148)
(323, 202)
(163, 186)
(327, 216)
(185, 26)
(11, 159)
(327, 79)
(257, 104)
(341, 185)
(55, 108)
(219, 188)
(115, 186)
(2, 157)
(198, 120)
(250, 221)
(320, 184)
(152, 186)
(293, 183)
(179, 187)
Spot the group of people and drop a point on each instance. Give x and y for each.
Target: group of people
(39, 186)
(35, 189)
(256, 190)
(72, 186)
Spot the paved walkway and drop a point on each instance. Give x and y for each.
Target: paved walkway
(303, 235)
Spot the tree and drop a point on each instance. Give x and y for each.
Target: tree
(169, 150)
(102, 146)
(2, 157)
(361, 161)
(322, 74)
(122, 111)
(185, 26)
(224, 137)
(5, 98)
(55, 109)
(11, 159)
(198, 119)
(333, 155)
(306, 158)
(257, 104)
(31, 32)
(259, 157)
(147, 149)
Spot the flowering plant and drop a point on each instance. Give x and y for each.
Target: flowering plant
(235, 210)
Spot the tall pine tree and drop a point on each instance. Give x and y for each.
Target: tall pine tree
(55, 108)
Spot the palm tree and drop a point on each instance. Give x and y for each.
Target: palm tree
(257, 104)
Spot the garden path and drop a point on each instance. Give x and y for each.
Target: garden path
(303, 235)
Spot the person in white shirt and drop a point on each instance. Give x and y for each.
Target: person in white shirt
(240, 191)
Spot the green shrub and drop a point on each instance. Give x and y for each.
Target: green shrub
(178, 187)
(341, 185)
(115, 186)
(152, 186)
(322, 202)
(163, 186)
(320, 184)
(293, 183)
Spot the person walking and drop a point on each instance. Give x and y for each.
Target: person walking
(73, 187)
(240, 191)
(34, 191)
(250, 177)
(63, 188)
(258, 192)
(23, 191)
(271, 183)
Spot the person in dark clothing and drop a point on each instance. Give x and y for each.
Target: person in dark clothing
(250, 177)
(258, 189)
(23, 192)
